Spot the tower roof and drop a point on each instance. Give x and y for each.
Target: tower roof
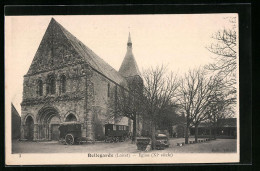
(129, 38)
(129, 66)
(14, 111)
(57, 40)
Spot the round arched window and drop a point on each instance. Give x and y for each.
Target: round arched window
(40, 88)
(70, 117)
(51, 85)
(63, 83)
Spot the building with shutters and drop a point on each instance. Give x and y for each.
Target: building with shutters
(67, 81)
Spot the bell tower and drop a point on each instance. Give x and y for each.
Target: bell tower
(129, 68)
(130, 71)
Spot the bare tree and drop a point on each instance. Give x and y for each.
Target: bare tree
(195, 91)
(224, 47)
(168, 118)
(126, 103)
(220, 108)
(159, 92)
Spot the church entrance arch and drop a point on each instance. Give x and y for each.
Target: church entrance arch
(29, 128)
(48, 122)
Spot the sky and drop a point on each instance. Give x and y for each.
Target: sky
(178, 41)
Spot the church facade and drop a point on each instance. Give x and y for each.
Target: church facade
(67, 82)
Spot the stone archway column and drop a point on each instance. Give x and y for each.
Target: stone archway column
(39, 131)
(35, 132)
(49, 132)
(22, 132)
(45, 131)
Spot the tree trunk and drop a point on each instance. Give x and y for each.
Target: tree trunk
(215, 131)
(196, 133)
(187, 129)
(187, 134)
(210, 132)
(153, 136)
(134, 130)
(215, 128)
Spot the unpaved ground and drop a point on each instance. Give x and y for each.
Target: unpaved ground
(215, 146)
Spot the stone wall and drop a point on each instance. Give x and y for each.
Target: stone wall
(75, 83)
(103, 104)
(72, 101)
(86, 97)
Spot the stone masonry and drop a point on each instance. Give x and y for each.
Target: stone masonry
(67, 82)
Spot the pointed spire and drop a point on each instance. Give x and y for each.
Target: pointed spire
(129, 66)
(129, 38)
(129, 42)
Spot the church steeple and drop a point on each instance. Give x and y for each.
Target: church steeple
(129, 66)
(129, 42)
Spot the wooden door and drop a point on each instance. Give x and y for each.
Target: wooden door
(55, 133)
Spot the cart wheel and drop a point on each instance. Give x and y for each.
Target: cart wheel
(69, 139)
(114, 139)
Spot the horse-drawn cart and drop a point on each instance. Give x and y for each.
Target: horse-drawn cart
(70, 133)
(116, 133)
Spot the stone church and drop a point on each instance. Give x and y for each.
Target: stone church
(66, 82)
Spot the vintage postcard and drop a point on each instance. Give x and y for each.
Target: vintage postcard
(122, 89)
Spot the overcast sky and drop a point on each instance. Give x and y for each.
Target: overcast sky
(177, 41)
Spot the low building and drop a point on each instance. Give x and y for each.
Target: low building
(225, 128)
(16, 123)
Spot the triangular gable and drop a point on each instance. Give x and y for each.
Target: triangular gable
(55, 51)
(60, 48)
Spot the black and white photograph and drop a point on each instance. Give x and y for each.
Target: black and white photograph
(122, 89)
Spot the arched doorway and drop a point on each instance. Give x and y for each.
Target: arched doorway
(54, 128)
(70, 117)
(48, 121)
(29, 127)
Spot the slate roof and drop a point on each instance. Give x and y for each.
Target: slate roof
(129, 66)
(228, 122)
(16, 122)
(90, 57)
(14, 111)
